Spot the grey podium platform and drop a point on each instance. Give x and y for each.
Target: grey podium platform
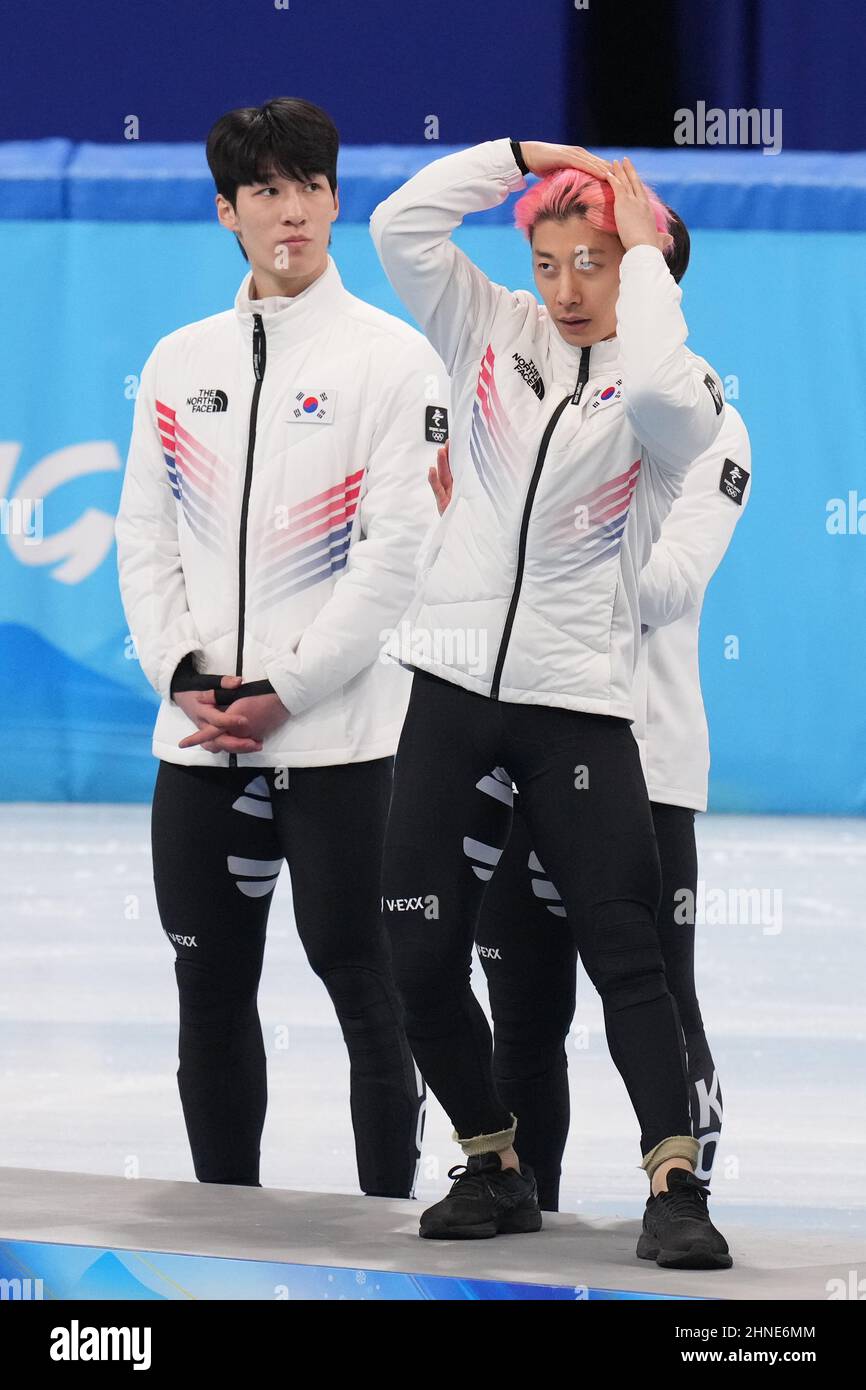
(366, 1235)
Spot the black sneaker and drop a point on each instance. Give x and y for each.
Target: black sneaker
(677, 1230)
(485, 1200)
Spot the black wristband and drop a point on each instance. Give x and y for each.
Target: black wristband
(224, 697)
(186, 677)
(518, 157)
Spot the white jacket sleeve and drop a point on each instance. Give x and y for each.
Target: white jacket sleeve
(396, 506)
(697, 530)
(152, 585)
(673, 399)
(452, 300)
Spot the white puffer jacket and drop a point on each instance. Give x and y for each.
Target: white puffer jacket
(566, 460)
(274, 500)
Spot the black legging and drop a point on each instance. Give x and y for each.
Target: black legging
(529, 957)
(585, 801)
(219, 839)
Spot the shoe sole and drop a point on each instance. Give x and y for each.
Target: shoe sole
(698, 1257)
(484, 1230)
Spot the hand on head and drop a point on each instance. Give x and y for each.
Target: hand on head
(635, 218)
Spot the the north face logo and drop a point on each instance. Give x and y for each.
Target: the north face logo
(530, 373)
(208, 399)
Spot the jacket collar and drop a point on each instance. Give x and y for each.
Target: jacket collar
(565, 358)
(288, 317)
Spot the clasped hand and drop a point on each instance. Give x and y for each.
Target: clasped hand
(241, 728)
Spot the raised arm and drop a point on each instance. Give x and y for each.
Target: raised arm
(451, 299)
(673, 398)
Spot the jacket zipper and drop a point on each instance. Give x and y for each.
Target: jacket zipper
(259, 359)
(582, 378)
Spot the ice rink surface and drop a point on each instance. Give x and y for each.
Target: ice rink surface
(88, 1027)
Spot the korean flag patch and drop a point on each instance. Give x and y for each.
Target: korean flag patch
(313, 407)
(436, 424)
(605, 395)
(733, 481)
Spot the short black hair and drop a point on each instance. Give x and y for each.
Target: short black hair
(286, 136)
(678, 255)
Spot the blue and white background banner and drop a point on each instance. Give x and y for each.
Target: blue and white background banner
(89, 287)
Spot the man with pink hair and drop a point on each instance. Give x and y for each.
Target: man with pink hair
(574, 425)
(524, 945)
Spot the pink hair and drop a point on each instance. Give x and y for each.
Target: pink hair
(572, 193)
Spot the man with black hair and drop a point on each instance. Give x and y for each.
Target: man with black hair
(274, 500)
